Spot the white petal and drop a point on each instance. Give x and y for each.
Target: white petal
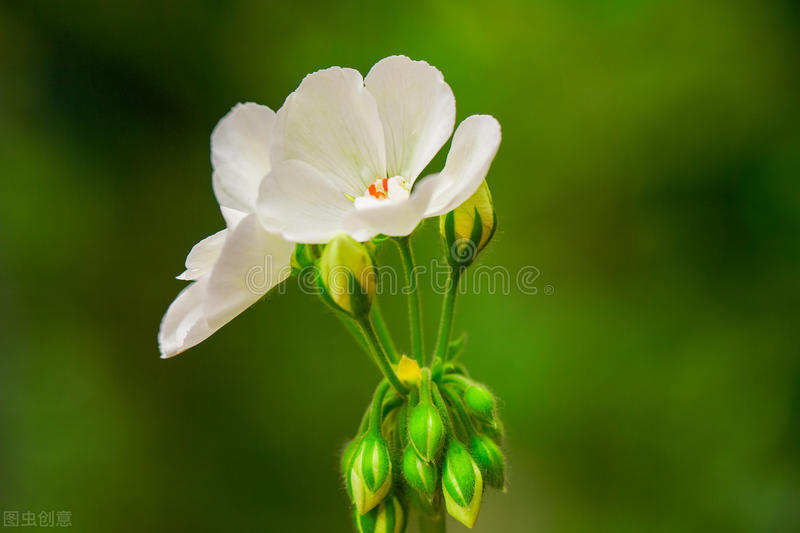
(474, 146)
(299, 202)
(417, 109)
(240, 154)
(331, 122)
(232, 216)
(251, 263)
(203, 255)
(390, 217)
(184, 325)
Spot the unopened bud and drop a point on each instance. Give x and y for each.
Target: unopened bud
(347, 275)
(480, 402)
(370, 473)
(388, 517)
(490, 460)
(469, 227)
(304, 255)
(426, 431)
(347, 455)
(419, 473)
(495, 430)
(462, 484)
(408, 371)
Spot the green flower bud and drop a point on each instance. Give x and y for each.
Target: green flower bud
(489, 458)
(480, 402)
(469, 227)
(495, 430)
(388, 517)
(305, 255)
(370, 473)
(347, 275)
(462, 484)
(426, 431)
(347, 455)
(419, 473)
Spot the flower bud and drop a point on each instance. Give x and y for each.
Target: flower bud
(419, 473)
(480, 402)
(347, 275)
(426, 431)
(370, 473)
(304, 255)
(469, 227)
(408, 371)
(462, 484)
(388, 517)
(348, 454)
(489, 458)
(494, 429)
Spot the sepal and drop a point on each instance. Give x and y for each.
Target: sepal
(490, 460)
(388, 517)
(480, 402)
(420, 475)
(462, 484)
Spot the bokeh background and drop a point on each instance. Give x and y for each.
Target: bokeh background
(649, 169)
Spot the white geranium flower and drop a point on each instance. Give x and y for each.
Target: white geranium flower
(347, 152)
(233, 268)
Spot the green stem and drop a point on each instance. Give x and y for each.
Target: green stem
(380, 357)
(414, 304)
(441, 406)
(446, 323)
(355, 330)
(458, 409)
(383, 332)
(432, 524)
(376, 409)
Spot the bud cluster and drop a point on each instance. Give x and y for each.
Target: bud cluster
(434, 449)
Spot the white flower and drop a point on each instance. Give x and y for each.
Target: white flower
(233, 268)
(347, 152)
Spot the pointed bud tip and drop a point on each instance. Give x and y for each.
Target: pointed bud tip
(408, 371)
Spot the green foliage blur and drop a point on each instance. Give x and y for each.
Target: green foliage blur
(649, 170)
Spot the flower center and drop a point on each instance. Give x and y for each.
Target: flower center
(394, 188)
(379, 189)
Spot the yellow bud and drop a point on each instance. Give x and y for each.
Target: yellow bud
(408, 371)
(347, 275)
(469, 227)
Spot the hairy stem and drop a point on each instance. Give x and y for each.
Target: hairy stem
(380, 357)
(383, 332)
(446, 323)
(414, 304)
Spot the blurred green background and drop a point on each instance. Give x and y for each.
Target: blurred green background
(649, 169)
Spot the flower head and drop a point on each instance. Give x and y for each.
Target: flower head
(348, 152)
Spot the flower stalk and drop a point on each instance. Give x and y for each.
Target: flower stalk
(446, 322)
(379, 355)
(414, 303)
